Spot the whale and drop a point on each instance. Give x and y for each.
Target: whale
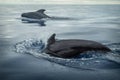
(69, 48)
(39, 14)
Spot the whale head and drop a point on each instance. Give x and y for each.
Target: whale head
(41, 10)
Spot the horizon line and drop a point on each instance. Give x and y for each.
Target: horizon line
(63, 3)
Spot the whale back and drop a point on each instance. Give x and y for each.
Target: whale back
(39, 14)
(72, 47)
(77, 45)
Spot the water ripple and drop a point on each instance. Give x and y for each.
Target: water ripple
(87, 60)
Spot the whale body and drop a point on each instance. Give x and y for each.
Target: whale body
(72, 47)
(36, 15)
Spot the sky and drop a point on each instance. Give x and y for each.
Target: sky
(59, 1)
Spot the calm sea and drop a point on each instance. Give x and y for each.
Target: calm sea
(19, 36)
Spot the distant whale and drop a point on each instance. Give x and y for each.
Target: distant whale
(72, 47)
(36, 15)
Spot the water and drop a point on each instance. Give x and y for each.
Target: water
(20, 37)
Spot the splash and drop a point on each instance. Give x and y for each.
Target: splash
(87, 60)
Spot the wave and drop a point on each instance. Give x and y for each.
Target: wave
(62, 18)
(42, 22)
(88, 60)
(44, 19)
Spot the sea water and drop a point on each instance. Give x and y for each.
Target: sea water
(20, 37)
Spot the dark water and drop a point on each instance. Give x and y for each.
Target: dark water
(20, 37)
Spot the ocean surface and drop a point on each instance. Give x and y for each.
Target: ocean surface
(22, 41)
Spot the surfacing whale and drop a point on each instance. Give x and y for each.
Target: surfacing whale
(36, 15)
(72, 47)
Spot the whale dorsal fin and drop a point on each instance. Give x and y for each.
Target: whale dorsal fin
(41, 10)
(51, 39)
